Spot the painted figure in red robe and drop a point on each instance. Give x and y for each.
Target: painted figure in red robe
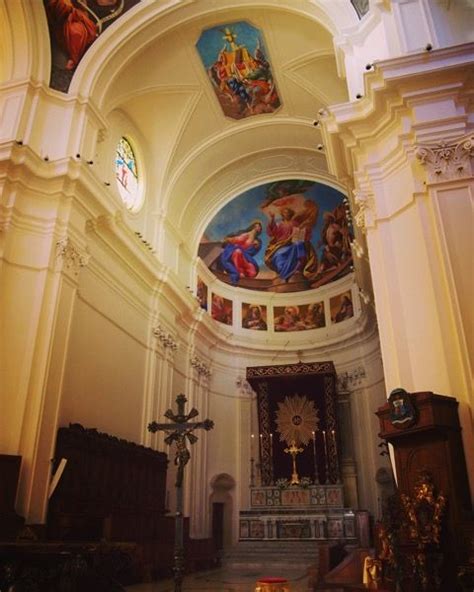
(237, 258)
(73, 27)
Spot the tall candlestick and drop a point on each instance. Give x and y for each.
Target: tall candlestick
(336, 459)
(316, 478)
(271, 457)
(326, 456)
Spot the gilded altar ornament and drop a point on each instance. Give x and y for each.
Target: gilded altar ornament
(424, 514)
(297, 420)
(372, 572)
(294, 451)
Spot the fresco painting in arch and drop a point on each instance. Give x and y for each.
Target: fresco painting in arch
(254, 316)
(221, 309)
(74, 25)
(341, 307)
(239, 69)
(299, 318)
(285, 236)
(201, 293)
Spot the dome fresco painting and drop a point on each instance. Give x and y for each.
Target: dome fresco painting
(286, 236)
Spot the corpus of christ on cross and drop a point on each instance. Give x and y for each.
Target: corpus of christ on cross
(178, 431)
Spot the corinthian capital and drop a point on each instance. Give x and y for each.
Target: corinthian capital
(447, 160)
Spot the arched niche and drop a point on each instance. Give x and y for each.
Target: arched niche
(221, 509)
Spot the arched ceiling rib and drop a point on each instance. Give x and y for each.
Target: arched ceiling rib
(149, 20)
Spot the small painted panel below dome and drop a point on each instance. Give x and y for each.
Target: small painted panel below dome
(286, 236)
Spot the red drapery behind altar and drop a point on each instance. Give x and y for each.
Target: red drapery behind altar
(276, 386)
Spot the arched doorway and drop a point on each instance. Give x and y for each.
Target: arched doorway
(221, 503)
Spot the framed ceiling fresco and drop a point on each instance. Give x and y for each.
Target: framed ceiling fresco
(285, 236)
(239, 69)
(74, 25)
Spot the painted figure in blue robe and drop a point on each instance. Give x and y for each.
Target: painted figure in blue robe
(290, 250)
(237, 258)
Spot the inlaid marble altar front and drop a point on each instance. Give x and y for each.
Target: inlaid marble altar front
(315, 513)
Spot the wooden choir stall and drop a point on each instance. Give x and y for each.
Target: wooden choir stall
(108, 512)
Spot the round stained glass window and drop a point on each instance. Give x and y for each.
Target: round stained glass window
(126, 174)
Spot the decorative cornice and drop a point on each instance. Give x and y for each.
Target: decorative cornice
(365, 215)
(166, 339)
(350, 379)
(70, 256)
(301, 368)
(447, 160)
(200, 366)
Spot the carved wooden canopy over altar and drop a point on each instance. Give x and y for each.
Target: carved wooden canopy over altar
(301, 397)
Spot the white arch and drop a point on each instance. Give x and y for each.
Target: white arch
(24, 41)
(149, 20)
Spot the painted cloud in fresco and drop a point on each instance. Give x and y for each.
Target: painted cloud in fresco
(238, 67)
(285, 236)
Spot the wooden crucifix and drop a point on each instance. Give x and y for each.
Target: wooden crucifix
(177, 432)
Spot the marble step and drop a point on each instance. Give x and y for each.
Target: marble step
(296, 554)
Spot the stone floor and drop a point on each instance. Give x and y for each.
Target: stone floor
(227, 580)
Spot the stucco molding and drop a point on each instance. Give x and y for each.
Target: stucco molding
(351, 379)
(165, 338)
(447, 160)
(70, 257)
(244, 387)
(200, 366)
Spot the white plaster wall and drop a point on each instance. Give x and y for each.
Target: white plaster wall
(103, 385)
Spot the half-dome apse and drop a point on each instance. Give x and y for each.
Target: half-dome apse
(283, 236)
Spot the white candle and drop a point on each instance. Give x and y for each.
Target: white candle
(334, 439)
(252, 446)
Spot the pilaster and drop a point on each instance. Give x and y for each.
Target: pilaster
(198, 486)
(43, 252)
(347, 454)
(159, 389)
(408, 145)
